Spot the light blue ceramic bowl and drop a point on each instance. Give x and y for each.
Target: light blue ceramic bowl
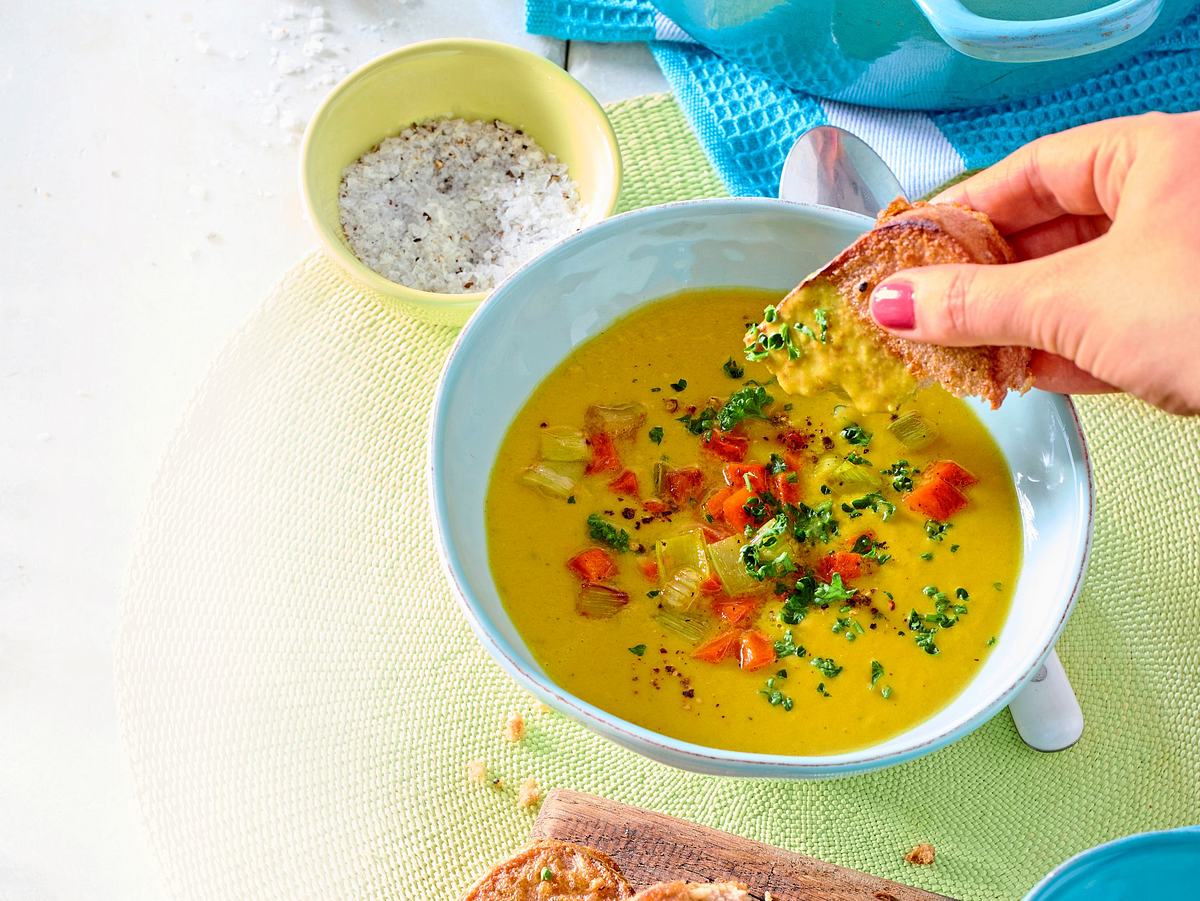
(1158, 865)
(926, 54)
(575, 291)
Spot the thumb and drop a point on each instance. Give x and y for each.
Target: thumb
(965, 305)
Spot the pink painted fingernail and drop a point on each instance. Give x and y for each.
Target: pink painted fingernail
(892, 305)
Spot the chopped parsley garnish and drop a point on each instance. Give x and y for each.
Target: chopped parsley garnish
(679, 385)
(601, 530)
(796, 605)
(826, 666)
(776, 465)
(886, 693)
(733, 369)
(997, 586)
(901, 474)
(821, 690)
(870, 549)
(944, 616)
(961, 594)
(821, 317)
(833, 591)
(760, 343)
(653, 593)
(856, 434)
(742, 404)
(547, 874)
(922, 633)
(763, 555)
(848, 626)
(936, 531)
(638, 650)
(926, 555)
(571, 499)
(857, 459)
(702, 423)
(991, 641)
(876, 672)
(954, 548)
(813, 523)
(656, 434)
(774, 696)
(786, 647)
(875, 502)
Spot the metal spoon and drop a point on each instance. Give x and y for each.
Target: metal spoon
(832, 167)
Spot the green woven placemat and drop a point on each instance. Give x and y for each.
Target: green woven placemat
(301, 695)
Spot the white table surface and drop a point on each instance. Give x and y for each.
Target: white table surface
(148, 183)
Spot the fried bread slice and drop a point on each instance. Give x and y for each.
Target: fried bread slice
(552, 871)
(822, 335)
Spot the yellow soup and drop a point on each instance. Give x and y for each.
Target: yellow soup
(683, 545)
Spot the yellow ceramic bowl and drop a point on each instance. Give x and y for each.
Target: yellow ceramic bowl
(457, 77)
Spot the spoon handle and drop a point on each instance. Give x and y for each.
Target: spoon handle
(1046, 712)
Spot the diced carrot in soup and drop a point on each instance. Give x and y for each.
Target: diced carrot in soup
(845, 564)
(625, 485)
(653, 505)
(711, 585)
(755, 650)
(712, 534)
(593, 565)
(735, 611)
(786, 487)
(683, 485)
(936, 499)
(720, 648)
(649, 569)
(949, 471)
(604, 454)
(734, 511)
(727, 446)
(715, 503)
(736, 473)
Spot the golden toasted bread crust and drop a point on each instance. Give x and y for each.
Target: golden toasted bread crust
(694, 891)
(925, 234)
(576, 874)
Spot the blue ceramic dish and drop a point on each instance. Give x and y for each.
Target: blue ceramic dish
(926, 54)
(1158, 865)
(575, 291)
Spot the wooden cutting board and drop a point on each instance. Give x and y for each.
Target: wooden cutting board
(651, 847)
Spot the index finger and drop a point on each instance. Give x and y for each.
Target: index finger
(1053, 176)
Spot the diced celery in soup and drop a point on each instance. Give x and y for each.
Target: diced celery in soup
(682, 544)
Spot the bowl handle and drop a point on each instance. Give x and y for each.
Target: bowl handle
(1039, 40)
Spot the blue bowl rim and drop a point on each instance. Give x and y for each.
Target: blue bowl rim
(1115, 846)
(683, 753)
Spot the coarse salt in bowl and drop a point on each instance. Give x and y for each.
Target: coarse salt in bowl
(478, 82)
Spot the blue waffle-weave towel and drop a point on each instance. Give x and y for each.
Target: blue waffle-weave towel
(747, 123)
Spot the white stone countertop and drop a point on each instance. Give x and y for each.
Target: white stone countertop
(148, 181)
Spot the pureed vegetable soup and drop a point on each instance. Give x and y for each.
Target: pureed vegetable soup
(684, 546)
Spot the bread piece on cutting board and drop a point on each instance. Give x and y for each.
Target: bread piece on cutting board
(693, 891)
(875, 368)
(552, 871)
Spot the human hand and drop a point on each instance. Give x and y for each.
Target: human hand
(1105, 223)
